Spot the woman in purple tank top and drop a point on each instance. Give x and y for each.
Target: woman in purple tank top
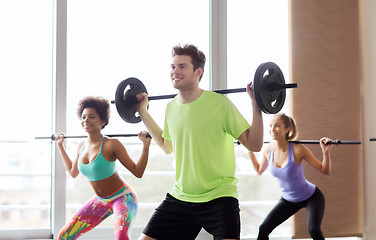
(285, 160)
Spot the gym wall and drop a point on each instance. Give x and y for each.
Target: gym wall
(368, 36)
(326, 64)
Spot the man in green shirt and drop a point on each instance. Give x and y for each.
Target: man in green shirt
(200, 127)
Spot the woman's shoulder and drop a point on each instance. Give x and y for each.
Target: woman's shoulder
(110, 147)
(81, 143)
(298, 148)
(110, 141)
(267, 150)
(300, 151)
(80, 147)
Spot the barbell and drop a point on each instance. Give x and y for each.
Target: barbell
(372, 139)
(335, 142)
(52, 137)
(269, 88)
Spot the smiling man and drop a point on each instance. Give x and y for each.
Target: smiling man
(200, 127)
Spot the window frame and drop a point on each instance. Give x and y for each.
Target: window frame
(217, 80)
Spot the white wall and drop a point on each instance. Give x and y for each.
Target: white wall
(368, 19)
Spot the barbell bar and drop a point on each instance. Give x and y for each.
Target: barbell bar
(372, 139)
(268, 85)
(52, 137)
(334, 142)
(221, 91)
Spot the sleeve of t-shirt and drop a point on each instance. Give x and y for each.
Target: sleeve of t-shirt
(235, 123)
(166, 132)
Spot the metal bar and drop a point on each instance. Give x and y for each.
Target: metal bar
(233, 90)
(336, 142)
(161, 97)
(372, 139)
(52, 137)
(221, 91)
(278, 87)
(290, 85)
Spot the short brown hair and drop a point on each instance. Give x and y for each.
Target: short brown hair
(198, 57)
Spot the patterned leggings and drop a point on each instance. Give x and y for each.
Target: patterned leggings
(93, 212)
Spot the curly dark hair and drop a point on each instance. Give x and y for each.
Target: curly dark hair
(100, 104)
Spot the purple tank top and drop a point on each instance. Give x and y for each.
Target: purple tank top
(294, 186)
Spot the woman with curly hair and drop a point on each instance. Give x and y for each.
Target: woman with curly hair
(96, 159)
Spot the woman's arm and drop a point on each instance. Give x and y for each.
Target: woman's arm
(70, 166)
(325, 165)
(137, 169)
(259, 167)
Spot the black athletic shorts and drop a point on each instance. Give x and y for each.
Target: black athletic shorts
(179, 220)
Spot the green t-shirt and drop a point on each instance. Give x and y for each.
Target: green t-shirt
(202, 134)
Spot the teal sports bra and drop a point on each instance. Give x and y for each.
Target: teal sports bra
(100, 168)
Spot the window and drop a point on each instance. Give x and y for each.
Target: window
(113, 41)
(257, 32)
(25, 96)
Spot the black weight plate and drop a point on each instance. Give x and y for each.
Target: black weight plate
(125, 99)
(268, 88)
